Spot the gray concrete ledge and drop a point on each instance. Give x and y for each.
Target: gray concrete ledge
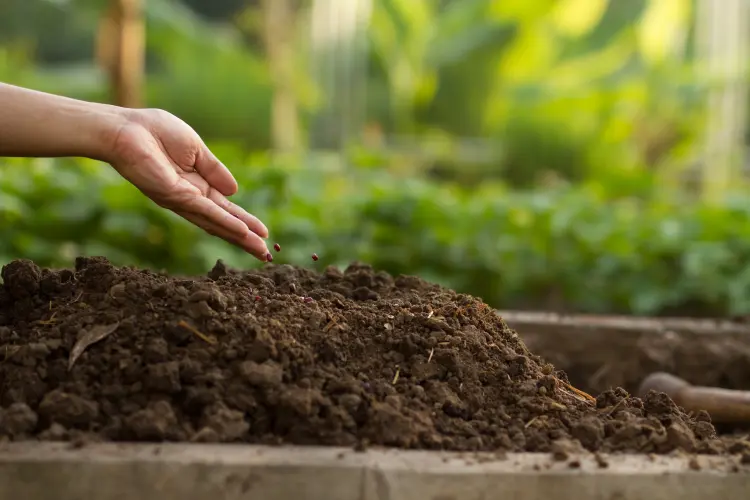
(526, 319)
(57, 471)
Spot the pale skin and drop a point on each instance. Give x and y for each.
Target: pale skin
(157, 152)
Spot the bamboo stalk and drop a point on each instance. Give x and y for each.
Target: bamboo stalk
(121, 51)
(279, 35)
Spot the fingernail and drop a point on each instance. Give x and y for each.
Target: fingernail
(269, 257)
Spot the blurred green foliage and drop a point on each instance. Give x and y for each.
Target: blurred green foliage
(572, 88)
(594, 108)
(563, 87)
(570, 247)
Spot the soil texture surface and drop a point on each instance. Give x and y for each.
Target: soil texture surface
(291, 355)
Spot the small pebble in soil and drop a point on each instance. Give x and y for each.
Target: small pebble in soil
(314, 256)
(277, 247)
(269, 257)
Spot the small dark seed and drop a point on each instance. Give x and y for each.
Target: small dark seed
(277, 247)
(315, 256)
(269, 257)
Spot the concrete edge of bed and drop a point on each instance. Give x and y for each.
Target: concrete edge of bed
(59, 471)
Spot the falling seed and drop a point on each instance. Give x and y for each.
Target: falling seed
(269, 257)
(257, 298)
(315, 256)
(277, 247)
(308, 299)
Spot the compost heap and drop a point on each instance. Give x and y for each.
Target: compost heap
(290, 355)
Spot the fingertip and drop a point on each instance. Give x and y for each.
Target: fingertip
(216, 173)
(232, 186)
(257, 226)
(254, 245)
(262, 230)
(226, 184)
(253, 223)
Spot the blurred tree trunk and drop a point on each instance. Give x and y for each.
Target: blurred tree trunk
(339, 53)
(279, 32)
(121, 51)
(722, 45)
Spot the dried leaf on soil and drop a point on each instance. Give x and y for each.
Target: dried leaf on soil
(89, 337)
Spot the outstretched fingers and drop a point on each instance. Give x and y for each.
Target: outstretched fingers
(251, 221)
(217, 221)
(250, 243)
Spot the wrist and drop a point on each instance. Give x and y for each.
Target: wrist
(103, 124)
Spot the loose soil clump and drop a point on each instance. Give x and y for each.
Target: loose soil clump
(291, 355)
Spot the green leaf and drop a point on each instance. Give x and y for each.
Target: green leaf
(663, 29)
(576, 18)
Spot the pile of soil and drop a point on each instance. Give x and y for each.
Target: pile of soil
(291, 355)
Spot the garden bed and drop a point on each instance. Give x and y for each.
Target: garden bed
(602, 352)
(293, 356)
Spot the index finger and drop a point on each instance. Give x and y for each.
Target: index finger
(251, 221)
(217, 216)
(251, 243)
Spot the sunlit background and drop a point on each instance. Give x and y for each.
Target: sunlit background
(570, 155)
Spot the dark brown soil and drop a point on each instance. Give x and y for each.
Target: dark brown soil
(287, 355)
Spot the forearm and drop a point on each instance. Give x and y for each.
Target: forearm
(37, 124)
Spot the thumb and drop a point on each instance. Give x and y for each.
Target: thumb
(216, 174)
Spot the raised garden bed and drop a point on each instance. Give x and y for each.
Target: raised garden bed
(602, 352)
(287, 356)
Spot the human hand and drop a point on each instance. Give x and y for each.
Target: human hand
(168, 162)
